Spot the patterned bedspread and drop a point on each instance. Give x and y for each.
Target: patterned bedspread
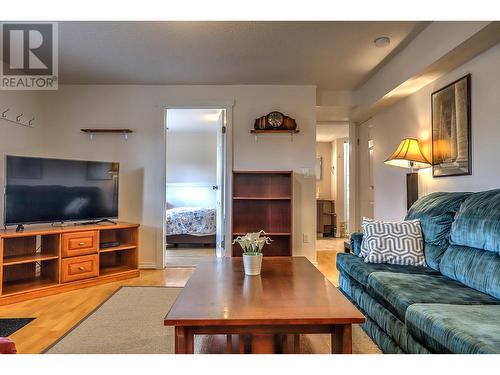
(196, 221)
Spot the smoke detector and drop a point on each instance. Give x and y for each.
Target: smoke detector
(382, 42)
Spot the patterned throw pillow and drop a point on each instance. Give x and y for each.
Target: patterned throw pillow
(394, 242)
(363, 250)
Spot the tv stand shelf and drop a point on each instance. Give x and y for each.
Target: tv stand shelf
(121, 247)
(8, 261)
(40, 261)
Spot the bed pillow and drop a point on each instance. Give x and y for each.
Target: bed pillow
(394, 242)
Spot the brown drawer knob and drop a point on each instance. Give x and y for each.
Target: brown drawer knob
(81, 244)
(81, 268)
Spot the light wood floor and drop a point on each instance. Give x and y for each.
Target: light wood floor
(326, 256)
(55, 315)
(187, 257)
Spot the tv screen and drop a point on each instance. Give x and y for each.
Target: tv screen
(52, 190)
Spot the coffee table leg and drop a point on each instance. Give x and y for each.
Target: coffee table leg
(342, 339)
(241, 343)
(179, 340)
(262, 344)
(296, 344)
(184, 341)
(189, 341)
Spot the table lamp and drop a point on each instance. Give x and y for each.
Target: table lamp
(409, 155)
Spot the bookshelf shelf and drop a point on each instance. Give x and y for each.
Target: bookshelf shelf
(262, 200)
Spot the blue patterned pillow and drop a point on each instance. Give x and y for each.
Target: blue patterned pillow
(394, 242)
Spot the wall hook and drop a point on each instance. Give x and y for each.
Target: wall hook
(30, 122)
(19, 117)
(4, 113)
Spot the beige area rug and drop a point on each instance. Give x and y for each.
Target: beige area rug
(131, 322)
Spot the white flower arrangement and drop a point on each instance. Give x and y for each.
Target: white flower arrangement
(252, 243)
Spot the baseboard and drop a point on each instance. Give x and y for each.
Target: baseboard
(148, 266)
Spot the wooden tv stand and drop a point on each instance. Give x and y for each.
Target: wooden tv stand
(42, 261)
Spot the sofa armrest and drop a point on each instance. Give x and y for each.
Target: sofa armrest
(356, 239)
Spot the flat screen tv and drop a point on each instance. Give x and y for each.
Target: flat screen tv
(40, 190)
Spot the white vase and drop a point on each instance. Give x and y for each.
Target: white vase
(252, 264)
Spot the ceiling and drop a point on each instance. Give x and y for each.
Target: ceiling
(328, 133)
(192, 120)
(330, 55)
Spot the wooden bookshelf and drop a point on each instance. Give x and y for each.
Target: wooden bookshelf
(43, 261)
(263, 200)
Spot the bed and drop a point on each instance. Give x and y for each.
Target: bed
(190, 225)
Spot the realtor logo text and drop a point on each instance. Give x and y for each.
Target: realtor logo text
(29, 59)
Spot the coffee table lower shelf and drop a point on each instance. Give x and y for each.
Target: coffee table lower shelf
(266, 339)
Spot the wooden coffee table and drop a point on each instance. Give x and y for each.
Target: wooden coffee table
(289, 298)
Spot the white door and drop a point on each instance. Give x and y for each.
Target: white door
(221, 138)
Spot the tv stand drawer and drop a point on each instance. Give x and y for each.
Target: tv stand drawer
(79, 243)
(79, 268)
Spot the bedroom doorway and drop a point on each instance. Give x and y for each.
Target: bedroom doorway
(194, 201)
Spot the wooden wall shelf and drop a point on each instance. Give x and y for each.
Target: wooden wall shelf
(262, 200)
(92, 131)
(274, 131)
(43, 261)
(258, 133)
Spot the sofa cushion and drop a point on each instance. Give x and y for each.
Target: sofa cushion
(436, 212)
(456, 328)
(477, 223)
(476, 268)
(385, 320)
(434, 253)
(397, 291)
(355, 241)
(355, 267)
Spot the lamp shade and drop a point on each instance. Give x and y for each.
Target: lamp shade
(408, 155)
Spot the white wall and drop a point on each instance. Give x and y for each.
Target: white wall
(20, 140)
(333, 164)
(141, 176)
(339, 174)
(411, 117)
(324, 185)
(365, 201)
(192, 157)
(191, 166)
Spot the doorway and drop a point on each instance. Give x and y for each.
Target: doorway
(332, 180)
(333, 194)
(194, 185)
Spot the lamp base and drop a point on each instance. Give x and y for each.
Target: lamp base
(411, 189)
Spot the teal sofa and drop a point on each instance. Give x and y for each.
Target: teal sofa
(450, 306)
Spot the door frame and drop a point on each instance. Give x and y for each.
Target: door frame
(228, 168)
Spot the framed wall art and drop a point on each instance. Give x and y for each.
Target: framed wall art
(451, 129)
